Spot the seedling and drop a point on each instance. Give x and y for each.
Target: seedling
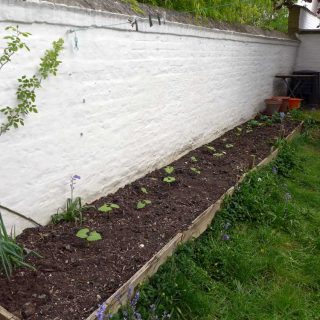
(210, 148)
(194, 159)
(144, 190)
(229, 145)
(254, 123)
(88, 235)
(169, 179)
(195, 170)
(169, 169)
(239, 130)
(143, 203)
(219, 154)
(108, 207)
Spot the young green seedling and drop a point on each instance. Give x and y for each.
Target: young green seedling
(169, 169)
(229, 146)
(194, 159)
(219, 154)
(88, 235)
(195, 170)
(210, 148)
(144, 190)
(143, 203)
(169, 179)
(108, 207)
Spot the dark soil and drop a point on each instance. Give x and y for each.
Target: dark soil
(74, 276)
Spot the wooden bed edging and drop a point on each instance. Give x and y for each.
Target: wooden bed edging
(198, 226)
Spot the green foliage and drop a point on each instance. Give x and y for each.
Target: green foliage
(195, 170)
(194, 159)
(143, 203)
(108, 207)
(14, 44)
(169, 179)
(169, 169)
(26, 92)
(211, 148)
(88, 235)
(219, 154)
(72, 213)
(258, 13)
(144, 190)
(12, 255)
(229, 145)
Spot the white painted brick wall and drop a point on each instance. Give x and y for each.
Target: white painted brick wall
(149, 97)
(309, 52)
(307, 20)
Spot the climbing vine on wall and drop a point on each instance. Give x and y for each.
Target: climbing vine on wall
(26, 93)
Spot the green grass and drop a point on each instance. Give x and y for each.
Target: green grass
(270, 266)
(252, 12)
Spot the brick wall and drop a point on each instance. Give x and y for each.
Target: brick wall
(124, 102)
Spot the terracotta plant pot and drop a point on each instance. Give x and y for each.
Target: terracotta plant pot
(272, 106)
(285, 103)
(294, 103)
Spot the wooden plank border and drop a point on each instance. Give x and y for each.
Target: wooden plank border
(197, 227)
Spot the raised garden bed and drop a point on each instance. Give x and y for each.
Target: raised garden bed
(74, 276)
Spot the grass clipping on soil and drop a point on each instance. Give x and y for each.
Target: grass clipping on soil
(261, 257)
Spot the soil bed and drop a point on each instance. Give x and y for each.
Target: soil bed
(74, 276)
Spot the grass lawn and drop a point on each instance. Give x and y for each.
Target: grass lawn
(260, 259)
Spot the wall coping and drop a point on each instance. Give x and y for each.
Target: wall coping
(71, 16)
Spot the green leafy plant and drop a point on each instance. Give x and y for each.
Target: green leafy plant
(108, 207)
(12, 255)
(253, 123)
(229, 145)
(169, 179)
(26, 92)
(210, 148)
(88, 235)
(143, 203)
(195, 170)
(169, 169)
(72, 213)
(219, 154)
(238, 131)
(194, 159)
(144, 190)
(74, 208)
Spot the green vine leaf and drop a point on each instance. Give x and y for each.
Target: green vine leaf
(169, 179)
(94, 236)
(169, 169)
(108, 207)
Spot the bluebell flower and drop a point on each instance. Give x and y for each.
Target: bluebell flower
(225, 237)
(76, 177)
(101, 311)
(274, 170)
(135, 300)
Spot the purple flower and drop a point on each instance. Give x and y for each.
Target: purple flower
(76, 177)
(225, 237)
(274, 170)
(101, 311)
(135, 300)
